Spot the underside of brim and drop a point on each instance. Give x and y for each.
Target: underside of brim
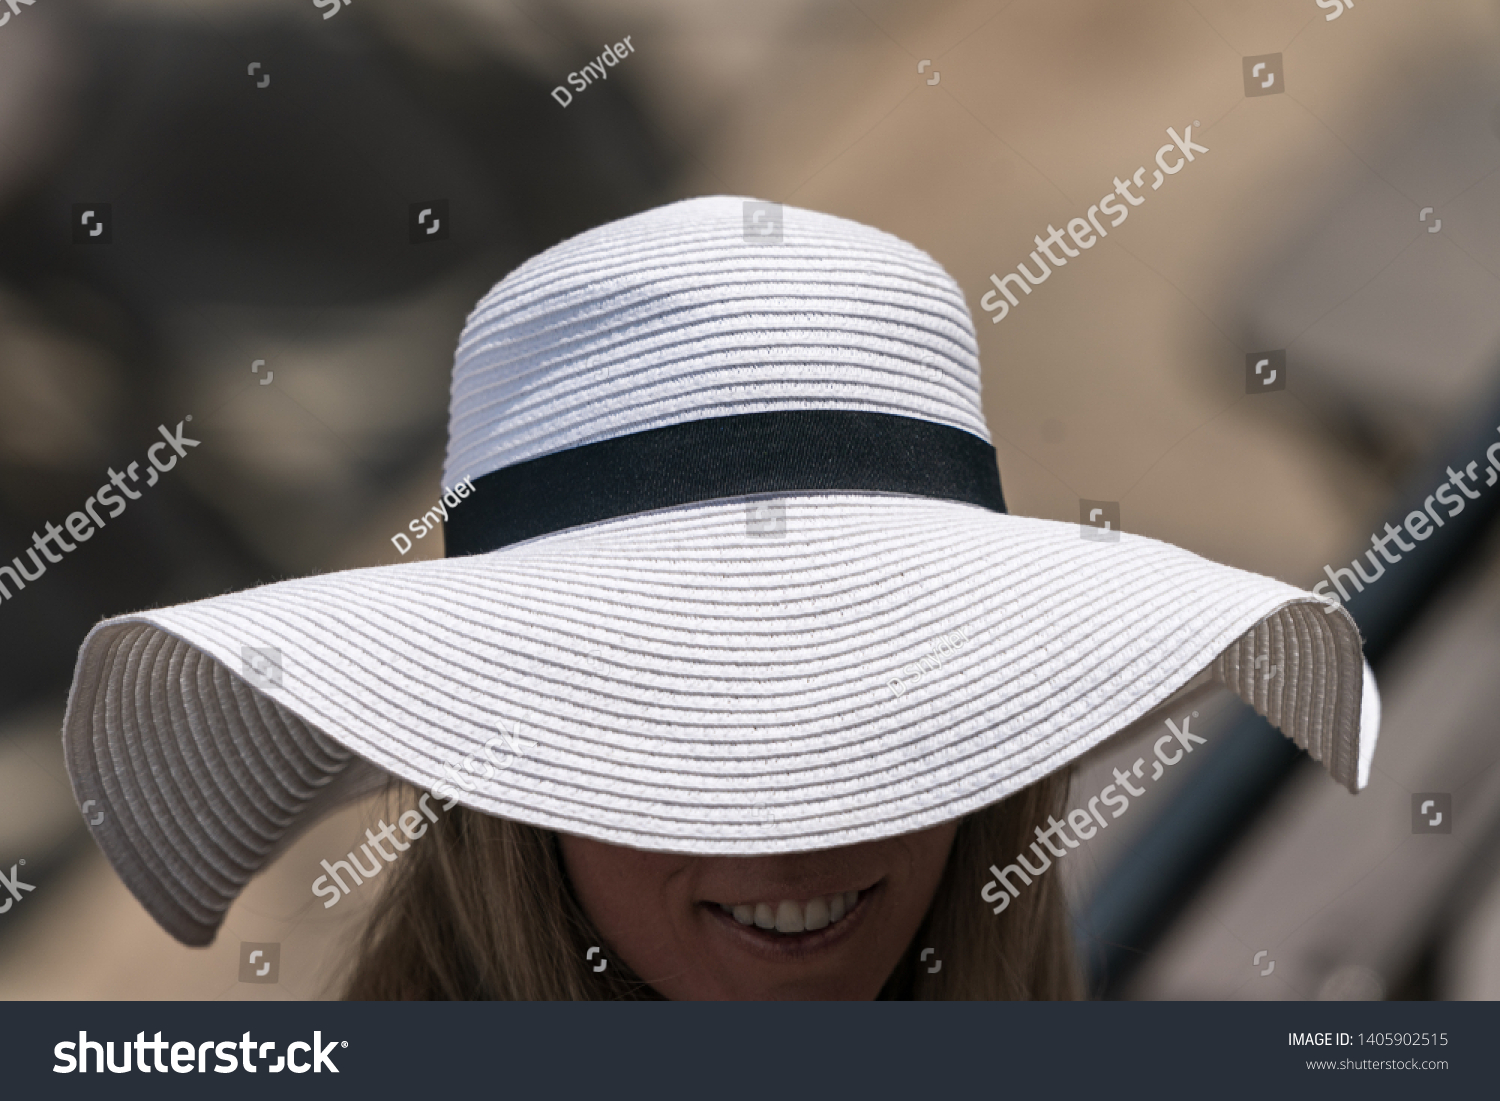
(201, 779)
(672, 683)
(1296, 673)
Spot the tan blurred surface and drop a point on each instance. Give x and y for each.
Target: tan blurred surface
(1120, 378)
(86, 937)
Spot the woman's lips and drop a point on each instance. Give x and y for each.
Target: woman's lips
(792, 928)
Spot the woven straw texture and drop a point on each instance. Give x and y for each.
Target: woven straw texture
(685, 680)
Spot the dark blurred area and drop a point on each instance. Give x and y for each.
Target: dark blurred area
(225, 194)
(245, 227)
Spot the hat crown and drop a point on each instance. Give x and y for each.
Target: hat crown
(687, 312)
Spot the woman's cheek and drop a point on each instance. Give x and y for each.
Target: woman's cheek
(628, 895)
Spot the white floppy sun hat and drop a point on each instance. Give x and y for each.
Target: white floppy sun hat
(735, 577)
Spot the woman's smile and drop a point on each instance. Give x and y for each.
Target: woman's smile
(793, 916)
(792, 930)
(829, 924)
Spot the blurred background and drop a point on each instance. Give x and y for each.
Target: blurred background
(259, 274)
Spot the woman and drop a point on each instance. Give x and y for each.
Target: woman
(492, 908)
(730, 580)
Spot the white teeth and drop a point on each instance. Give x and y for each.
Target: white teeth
(791, 916)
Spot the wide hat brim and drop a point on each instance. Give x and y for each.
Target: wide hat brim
(695, 680)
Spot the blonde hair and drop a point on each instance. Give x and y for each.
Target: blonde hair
(482, 910)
